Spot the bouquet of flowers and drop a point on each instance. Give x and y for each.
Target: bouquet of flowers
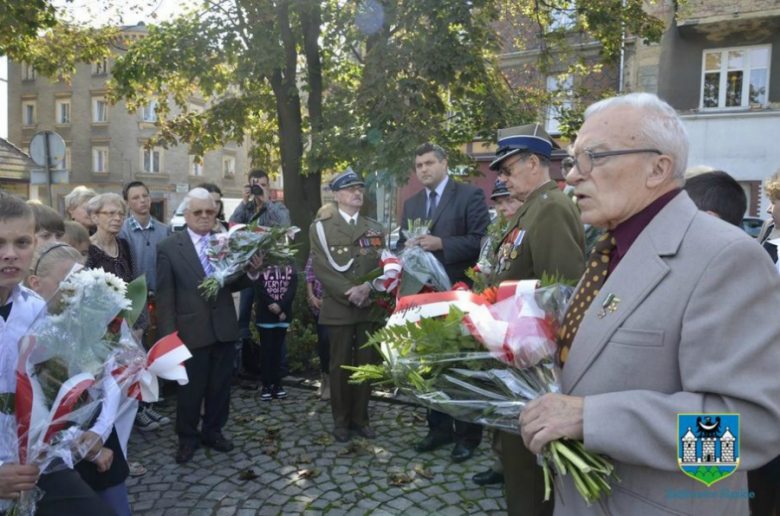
(412, 270)
(229, 252)
(77, 359)
(482, 359)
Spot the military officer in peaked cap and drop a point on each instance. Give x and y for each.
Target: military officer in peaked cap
(545, 236)
(346, 246)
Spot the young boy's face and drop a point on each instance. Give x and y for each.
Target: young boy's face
(17, 245)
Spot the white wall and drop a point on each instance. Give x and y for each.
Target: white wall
(746, 145)
(3, 97)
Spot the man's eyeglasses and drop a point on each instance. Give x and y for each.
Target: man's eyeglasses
(206, 213)
(506, 170)
(585, 161)
(112, 214)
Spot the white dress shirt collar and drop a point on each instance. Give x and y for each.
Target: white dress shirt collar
(439, 189)
(195, 238)
(347, 217)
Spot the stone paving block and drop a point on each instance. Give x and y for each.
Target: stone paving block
(450, 498)
(400, 503)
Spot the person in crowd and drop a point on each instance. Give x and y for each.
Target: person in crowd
(208, 327)
(76, 236)
(274, 295)
(769, 237)
(143, 232)
(545, 237)
(64, 492)
(680, 297)
(104, 467)
(346, 246)
(507, 206)
(76, 207)
(51, 227)
(459, 218)
(718, 194)
(256, 207)
(216, 194)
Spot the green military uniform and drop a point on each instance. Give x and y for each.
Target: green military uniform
(342, 253)
(544, 236)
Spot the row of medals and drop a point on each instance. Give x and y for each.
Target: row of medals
(506, 251)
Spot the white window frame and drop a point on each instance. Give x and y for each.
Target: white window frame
(100, 67)
(28, 72)
(65, 163)
(60, 120)
(232, 167)
(150, 169)
(723, 84)
(563, 18)
(196, 169)
(27, 120)
(554, 84)
(149, 112)
(100, 159)
(95, 112)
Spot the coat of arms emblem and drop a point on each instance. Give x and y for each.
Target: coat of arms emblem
(708, 445)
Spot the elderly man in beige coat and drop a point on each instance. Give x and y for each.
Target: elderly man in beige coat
(676, 313)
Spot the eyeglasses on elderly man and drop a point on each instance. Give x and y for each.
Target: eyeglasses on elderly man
(586, 160)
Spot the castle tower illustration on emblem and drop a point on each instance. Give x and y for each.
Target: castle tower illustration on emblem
(711, 447)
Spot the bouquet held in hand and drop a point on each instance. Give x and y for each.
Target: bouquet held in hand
(229, 253)
(482, 359)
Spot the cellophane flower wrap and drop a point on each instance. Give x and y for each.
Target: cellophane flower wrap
(229, 253)
(78, 357)
(482, 359)
(411, 270)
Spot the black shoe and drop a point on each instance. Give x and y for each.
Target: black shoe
(184, 453)
(488, 478)
(461, 453)
(365, 431)
(278, 392)
(219, 443)
(266, 394)
(431, 442)
(341, 435)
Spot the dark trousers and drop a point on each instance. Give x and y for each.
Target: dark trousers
(765, 483)
(66, 494)
(467, 434)
(349, 403)
(523, 479)
(210, 372)
(246, 299)
(323, 343)
(271, 343)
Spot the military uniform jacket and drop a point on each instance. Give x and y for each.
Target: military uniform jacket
(362, 245)
(545, 236)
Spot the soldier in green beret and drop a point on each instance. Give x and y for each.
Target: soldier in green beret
(346, 246)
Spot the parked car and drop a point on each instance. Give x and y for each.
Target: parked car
(752, 226)
(177, 221)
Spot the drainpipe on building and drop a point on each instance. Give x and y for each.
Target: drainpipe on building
(621, 84)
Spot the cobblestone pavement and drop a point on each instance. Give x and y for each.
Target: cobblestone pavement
(300, 469)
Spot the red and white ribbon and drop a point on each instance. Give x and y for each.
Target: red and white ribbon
(391, 273)
(435, 304)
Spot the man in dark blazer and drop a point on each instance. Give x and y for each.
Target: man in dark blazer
(209, 328)
(459, 219)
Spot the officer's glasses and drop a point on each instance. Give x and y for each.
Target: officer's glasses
(586, 160)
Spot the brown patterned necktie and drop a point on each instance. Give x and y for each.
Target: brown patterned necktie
(595, 275)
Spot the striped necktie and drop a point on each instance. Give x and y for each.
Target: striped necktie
(204, 258)
(595, 275)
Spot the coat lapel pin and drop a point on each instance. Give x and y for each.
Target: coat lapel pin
(610, 305)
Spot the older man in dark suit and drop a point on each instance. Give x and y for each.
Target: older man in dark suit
(208, 327)
(459, 219)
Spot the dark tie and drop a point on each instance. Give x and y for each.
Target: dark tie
(595, 275)
(431, 204)
(352, 222)
(5, 311)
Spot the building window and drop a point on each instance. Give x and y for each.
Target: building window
(29, 112)
(152, 160)
(99, 110)
(564, 17)
(28, 72)
(63, 112)
(100, 67)
(735, 77)
(149, 112)
(100, 159)
(196, 166)
(228, 167)
(65, 163)
(561, 87)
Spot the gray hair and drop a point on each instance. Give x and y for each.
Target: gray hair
(77, 197)
(660, 126)
(197, 193)
(96, 203)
